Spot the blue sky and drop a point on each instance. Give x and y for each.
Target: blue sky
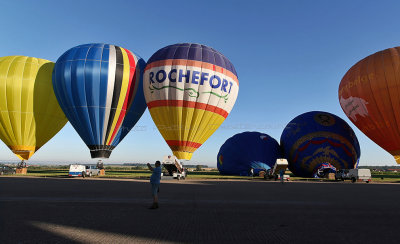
(289, 55)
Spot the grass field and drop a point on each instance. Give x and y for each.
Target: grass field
(128, 172)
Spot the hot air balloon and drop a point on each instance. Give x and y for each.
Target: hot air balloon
(190, 89)
(30, 115)
(99, 88)
(369, 95)
(323, 170)
(245, 151)
(316, 138)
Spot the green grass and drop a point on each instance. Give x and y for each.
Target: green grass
(109, 173)
(191, 175)
(138, 174)
(128, 172)
(386, 177)
(213, 175)
(47, 172)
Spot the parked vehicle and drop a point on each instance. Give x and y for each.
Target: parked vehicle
(342, 174)
(280, 164)
(77, 170)
(360, 175)
(83, 170)
(354, 175)
(285, 177)
(174, 168)
(4, 170)
(92, 170)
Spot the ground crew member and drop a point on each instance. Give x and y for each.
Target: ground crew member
(281, 173)
(155, 183)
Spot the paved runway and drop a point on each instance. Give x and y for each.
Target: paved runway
(50, 210)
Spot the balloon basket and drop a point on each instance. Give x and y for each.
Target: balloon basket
(331, 176)
(21, 171)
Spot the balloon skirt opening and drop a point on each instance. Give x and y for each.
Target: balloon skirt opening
(100, 153)
(23, 152)
(183, 155)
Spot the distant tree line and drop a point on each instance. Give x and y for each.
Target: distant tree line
(145, 165)
(386, 167)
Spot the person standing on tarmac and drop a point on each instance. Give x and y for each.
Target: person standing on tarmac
(155, 183)
(281, 174)
(251, 172)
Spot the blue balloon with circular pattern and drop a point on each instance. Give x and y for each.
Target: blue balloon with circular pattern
(317, 137)
(245, 151)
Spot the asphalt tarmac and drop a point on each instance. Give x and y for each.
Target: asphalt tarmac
(58, 210)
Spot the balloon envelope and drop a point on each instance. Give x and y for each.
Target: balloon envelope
(190, 89)
(314, 138)
(369, 94)
(247, 150)
(323, 170)
(99, 88)
(30, 115)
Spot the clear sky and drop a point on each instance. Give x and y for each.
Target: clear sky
(290, 57)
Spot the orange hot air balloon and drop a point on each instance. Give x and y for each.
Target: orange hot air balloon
(369, 94)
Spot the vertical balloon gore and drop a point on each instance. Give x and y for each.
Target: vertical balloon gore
(99, 88)
(190, 89)
(30, 115)
(245, 151)
(182, 154)
(369, 95)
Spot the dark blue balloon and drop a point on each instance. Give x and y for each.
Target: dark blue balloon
(316, 137)
(247, 150)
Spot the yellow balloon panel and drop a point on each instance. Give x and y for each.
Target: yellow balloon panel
(29, 111)
(185, 128)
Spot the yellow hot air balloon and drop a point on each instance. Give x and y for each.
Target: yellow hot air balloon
(190, 89)
(30, 114)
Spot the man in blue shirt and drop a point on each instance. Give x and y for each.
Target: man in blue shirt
(155, 182)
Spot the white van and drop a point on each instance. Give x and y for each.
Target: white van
(359, 175)
(77, 170)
